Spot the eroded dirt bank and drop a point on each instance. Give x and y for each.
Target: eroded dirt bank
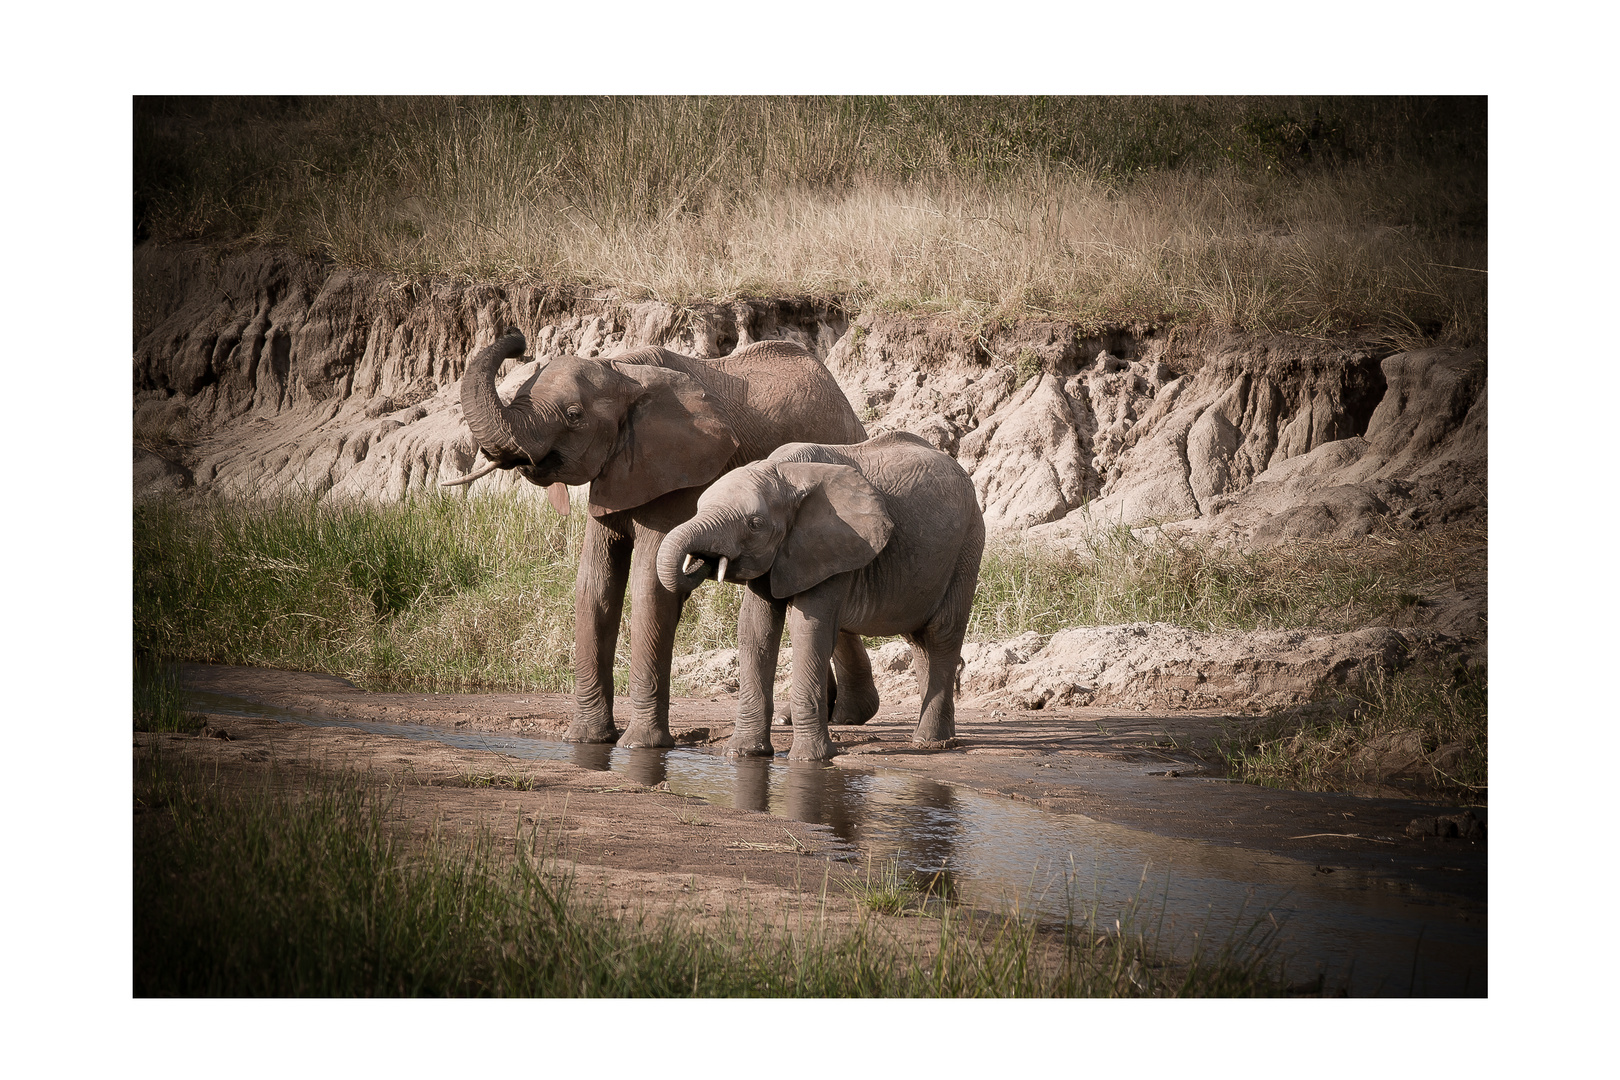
(267, 371)
(1122, 766)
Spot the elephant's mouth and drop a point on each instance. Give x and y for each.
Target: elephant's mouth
(544, 471)
(700, 566)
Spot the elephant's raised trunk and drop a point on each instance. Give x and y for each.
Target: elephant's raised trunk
(486, 417)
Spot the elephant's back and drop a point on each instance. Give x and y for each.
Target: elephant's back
(781, 394)
(903, 466)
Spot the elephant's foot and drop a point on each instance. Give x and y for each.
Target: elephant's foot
(934, 729)
(852, 708)
(648, 734)
(740, 745)
(584, 729)
(811, 746)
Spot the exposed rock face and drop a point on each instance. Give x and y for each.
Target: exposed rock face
(276, 373)
(1254, 441)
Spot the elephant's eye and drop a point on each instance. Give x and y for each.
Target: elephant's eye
(575, 414)
(756, 522)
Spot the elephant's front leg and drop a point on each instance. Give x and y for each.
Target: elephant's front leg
(759, 643)
(654, 611)
(604, 570)
(814, 626)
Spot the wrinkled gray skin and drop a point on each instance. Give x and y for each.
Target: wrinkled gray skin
(648, 431)
(879, 538)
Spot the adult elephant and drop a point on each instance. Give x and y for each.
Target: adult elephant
(648, 431)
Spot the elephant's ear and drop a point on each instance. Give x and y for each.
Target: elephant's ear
(841, 525)
(675, 435)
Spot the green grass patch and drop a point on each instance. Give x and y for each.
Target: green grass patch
(1370, 733)
(159, 699)
(436, 593)
(1315, 214)
(891, 892)
(284, 887)
(451, 593)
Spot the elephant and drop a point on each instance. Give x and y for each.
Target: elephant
(648, 431)
(883, 537)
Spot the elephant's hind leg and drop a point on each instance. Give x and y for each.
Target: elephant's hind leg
(937, 648)
(857, 697)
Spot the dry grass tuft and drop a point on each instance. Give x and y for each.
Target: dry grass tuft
(1117, 576)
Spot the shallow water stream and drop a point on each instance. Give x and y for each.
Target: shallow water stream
(1367, 935)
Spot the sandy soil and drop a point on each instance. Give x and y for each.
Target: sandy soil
(647, 846)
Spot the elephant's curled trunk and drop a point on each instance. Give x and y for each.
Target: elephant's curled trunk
(681, 562)
(480, 404)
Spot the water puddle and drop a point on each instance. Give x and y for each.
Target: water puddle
(1368, 935)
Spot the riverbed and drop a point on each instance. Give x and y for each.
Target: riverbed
(1090, 812)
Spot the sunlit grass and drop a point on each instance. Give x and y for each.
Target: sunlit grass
(1310, 214)
(1118, 576)
(436, 592)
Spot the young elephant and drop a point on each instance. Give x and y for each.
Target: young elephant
(882, 537)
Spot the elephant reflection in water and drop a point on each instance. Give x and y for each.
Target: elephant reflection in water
(825, 795)
(647, 766)
(932, 829)
(594, 756)
(753, 785)
(813, 792)
(921, 825)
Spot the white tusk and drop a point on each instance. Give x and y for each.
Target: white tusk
(692, 563)
(470, 477)
(721, 576)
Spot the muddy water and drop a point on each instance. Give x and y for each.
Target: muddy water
(1360, 933)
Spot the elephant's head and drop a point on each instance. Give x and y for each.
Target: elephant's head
(631, 431)
(799, 522)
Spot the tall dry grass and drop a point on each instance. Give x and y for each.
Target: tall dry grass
(1251, 213)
